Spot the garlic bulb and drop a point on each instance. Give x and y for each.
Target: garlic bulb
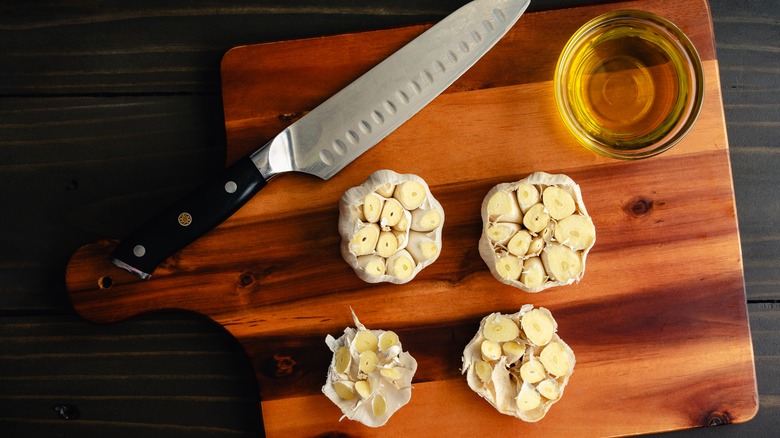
(370, 376)
(518, 363)
(390, 227)
(536, 232)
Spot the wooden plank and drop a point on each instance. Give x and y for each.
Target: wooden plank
(127, 378)
(147, 47)
(747, 48)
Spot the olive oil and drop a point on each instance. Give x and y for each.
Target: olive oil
(625, 87)
(629, 82)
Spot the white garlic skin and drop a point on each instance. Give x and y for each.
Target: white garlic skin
(350, 220)
(502, 390)
(490, 252)
(396, 393)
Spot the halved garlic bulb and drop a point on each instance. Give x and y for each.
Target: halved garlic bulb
(518, 363)
(536, 232)
(390, 227)
(370, 376)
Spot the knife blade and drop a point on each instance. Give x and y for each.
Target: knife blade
(334, 133)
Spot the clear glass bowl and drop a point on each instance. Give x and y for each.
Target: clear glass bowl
(629, 84)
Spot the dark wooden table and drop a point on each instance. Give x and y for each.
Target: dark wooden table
(108, 112)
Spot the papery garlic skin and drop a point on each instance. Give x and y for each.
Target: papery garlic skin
(542, 222)
(400, 205)
(377, 375)
(518, 384)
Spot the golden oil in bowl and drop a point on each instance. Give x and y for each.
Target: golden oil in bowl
(629, 84)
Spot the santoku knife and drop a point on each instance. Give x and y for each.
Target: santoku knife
(334, 133)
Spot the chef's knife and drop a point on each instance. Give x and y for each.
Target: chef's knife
(334, 133)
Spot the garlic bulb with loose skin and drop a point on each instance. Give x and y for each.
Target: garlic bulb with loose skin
(370, 376)
(390, 227)
(518, 363)
(536, 232)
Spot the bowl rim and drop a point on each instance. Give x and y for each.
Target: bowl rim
(676, 37)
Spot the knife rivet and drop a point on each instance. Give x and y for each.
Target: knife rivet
(231, 187)
(139, 250)
(185, 219)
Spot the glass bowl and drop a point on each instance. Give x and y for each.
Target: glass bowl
(629, 84)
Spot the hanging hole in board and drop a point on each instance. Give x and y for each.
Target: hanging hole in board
(105, 282)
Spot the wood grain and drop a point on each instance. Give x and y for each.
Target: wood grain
(661, 293)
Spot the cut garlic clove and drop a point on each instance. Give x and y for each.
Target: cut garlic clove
(527, 195)
(548, 388)
(500, 329)
(345, 389)
(403, 223)
(372, 265)
(363, 388)
(576, 231)
(513, 351)
(536, 246)
(411, 194)
(372, 207)
(386, 190)
(365, 340)
(425, 220)
(558, 202)
(370, 375)
(536, 218)
(548, 233)
(502, 232)
(491, 350)
(388, 339)
(367, 362)
(390, 374)
(562, 263)
(529, 398)
(401, 265)
(502, 206)
(525, 389)
(343, 359)
(484, 370)
(387, 244)
(555, 359)
(539, 326)
(422, 247)
(379, 406)
(519, 244)
(532, 371)
(366, 232)
(509, 267)
(553, 215)
(392, 213)
(533, 275)
(364, 241)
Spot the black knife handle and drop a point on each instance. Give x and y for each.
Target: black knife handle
(188, 219)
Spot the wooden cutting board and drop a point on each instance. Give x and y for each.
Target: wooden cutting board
(658, 324)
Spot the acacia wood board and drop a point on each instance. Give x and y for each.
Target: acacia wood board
(658, 323)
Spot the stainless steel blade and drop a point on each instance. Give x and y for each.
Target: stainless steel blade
(366, 111)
